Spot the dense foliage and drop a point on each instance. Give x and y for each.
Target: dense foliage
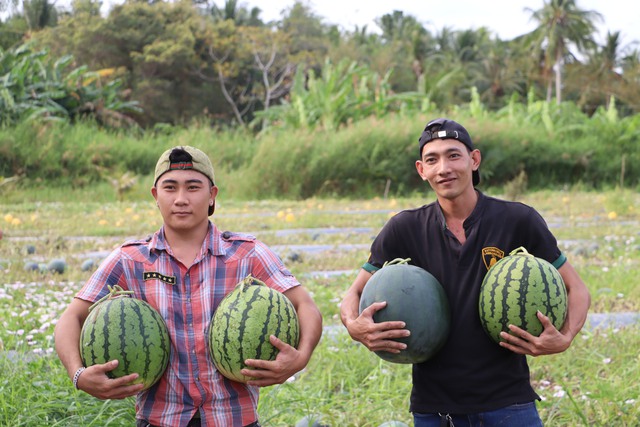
(185, 60)
(37, 86)
(539, 145)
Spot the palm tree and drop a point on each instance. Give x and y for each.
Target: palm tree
(39, 13)
(594, 82)
(238, 13)
(561, 25)
(500, 75)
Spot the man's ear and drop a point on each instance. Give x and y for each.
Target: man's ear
(420, 169)
(476, 156)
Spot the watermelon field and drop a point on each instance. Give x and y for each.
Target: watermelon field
(53, 239)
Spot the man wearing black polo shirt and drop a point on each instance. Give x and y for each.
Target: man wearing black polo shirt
(471, 381)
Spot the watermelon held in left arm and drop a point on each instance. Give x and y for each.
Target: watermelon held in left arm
(515, 289)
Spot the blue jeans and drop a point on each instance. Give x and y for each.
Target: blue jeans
(518, 415)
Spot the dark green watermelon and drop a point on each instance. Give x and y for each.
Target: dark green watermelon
(415, 297)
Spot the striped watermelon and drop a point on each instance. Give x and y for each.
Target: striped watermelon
(515, 288)
(243, 322)
(127, 329)
(414, 296)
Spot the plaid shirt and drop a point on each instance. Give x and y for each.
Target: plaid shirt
(186, 299)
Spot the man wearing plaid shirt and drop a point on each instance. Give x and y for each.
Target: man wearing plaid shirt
(184, 270)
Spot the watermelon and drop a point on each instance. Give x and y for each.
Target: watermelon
(242, 323)
(515, 288)
(57, 266)
(415, 297)
(127, 329)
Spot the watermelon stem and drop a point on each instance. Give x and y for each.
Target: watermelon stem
(397, 261)
(521, 249)
(250, 280)
(114, 291)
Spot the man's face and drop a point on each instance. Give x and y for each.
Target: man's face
(184, 197)
(448, 166)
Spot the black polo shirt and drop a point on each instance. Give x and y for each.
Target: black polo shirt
(471, 373)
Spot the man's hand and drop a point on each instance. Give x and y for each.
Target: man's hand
(287, 363)
(377, 336)
(550, 341)
(94, 380)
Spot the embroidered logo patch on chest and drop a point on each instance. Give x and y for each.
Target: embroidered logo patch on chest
(491, 255)
(152, 275)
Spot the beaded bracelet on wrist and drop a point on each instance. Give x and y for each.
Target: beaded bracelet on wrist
(76, 376)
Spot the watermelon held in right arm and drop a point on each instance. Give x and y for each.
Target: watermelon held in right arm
(242, 324)
(515, 289)
(415, 297)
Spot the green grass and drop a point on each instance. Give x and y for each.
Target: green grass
(593, 383)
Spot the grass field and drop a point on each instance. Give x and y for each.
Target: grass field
(323, 242)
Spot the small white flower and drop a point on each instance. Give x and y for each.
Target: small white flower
(606, 360)
(630, 401)
(559, 393)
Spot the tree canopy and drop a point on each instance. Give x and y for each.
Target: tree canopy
(189, 60)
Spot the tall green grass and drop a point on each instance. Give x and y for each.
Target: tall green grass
(371, 157)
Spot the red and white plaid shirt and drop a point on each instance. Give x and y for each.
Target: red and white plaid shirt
(187, 299)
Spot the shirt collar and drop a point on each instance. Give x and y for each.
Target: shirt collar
(471, 219)
(212, 242)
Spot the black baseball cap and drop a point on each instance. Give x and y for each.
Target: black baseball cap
(447, 129)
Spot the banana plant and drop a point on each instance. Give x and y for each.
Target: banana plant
(341, 93)
(38, 87)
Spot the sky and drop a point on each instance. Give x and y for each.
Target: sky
(505, 18)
